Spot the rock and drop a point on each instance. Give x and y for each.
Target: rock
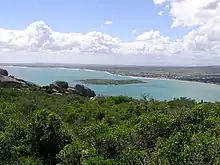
(85, 91)
(30, 84)
(49, 89)
(59, 94)
(3, 72)
(72, 90)
(26, 83)
(97, 97)
(12, 82)
(54, 91)
(62, 84)
(6, 81)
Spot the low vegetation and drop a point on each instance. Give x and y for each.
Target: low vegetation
(111, 81)
(37, 128)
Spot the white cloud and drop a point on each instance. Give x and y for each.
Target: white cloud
(38, 39)
(158, 2)
(192, 12)
(160, 13)
(151, 35)
(108, 22)
(134, 31)
(203, 16)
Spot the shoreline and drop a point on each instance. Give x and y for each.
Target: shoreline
(91, 70)
(107, 72)
(168, 79)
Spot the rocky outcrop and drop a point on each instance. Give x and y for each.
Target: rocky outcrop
(11, 81)
(6, 81)
(62, 84)
(84, 91)
(3, 72)
(26, 83)
(61, 88)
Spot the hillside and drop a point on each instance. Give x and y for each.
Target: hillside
(38, 128)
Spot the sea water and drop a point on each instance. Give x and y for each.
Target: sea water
(157, 88)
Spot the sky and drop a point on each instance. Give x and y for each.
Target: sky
(141, 32)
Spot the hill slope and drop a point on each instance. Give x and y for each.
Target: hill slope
(39, 128)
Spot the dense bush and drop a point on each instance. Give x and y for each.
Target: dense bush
(37, 128)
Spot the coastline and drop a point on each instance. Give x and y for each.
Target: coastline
(107, 72)
(168, 79)
(90, 70)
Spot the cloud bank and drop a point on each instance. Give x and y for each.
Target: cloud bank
(201, 45)
(39, 37)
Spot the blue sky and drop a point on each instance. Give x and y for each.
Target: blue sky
(186, 33)
(84, 16)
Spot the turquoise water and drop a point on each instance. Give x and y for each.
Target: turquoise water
(158, 89)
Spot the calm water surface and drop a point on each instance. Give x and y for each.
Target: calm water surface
(158, 89)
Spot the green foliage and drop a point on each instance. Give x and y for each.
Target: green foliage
(99, 161)
(200, 148)
(37, 128)
(133, 156)
(45, 136)
(150, 128)
(75, 153)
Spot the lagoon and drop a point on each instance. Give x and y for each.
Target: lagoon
(159, 89)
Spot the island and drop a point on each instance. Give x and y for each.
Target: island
(111, 81)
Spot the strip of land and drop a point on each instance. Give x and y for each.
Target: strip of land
(111, 81)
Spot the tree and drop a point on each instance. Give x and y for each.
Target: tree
(45, 136)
